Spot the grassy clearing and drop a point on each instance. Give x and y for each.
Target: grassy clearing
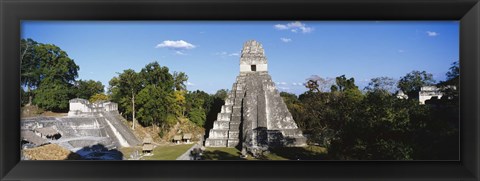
(127, 151)
(164, 152)
(168, 152)
(220, 153)
(286, 153)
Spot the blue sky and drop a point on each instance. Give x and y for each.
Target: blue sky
(208, 51)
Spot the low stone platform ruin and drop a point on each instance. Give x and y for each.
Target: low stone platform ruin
(83, 127)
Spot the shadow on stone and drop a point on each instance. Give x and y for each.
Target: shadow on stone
(212, 115)
(99, 152)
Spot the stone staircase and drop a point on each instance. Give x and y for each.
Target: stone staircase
(226, 129)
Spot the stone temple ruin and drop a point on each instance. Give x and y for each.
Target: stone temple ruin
(254, 116)
(86, 125)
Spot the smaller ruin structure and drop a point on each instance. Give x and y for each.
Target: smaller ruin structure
(87, 125)
(432, 92)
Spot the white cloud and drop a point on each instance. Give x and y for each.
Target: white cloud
(432, 33)
(297, 84)
(234, 54)
(286, 40)
(179, 53)
(281, 27)
(190, 84)
(281, 83)
(306, 29)
(294, 27)
(176, 45)
(225, 54)
(284, 88)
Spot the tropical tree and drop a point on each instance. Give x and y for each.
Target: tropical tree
(318, 84)
(43, 65)
(30, 66)
(129, 84)
(98, 97)
(156, 75)
(198, 105)
(54, 77)
(53, 95)
(153, 105)
(411, 83)
(386, 84)
(180, 79)
(88, 88)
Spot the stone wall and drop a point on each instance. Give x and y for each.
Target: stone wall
(79, 107)
(429, 92)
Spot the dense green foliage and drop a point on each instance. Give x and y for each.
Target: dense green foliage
(376, 125)
(98, 97)
(158, 97)
(85, 89)
(48, 74)
(411, 83)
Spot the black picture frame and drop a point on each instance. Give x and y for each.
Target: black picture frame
(13, 11)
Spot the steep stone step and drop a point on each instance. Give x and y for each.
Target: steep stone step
(234, 125)
(233, 134)
(219, 133)
(223, 116)
(238, 100)
(236, 111)
(215, 142)
(226, 109)
(221, 124)
(229, 101)
(239, 93)
(233, 142)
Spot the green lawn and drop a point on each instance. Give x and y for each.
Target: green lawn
(286, 153)
(167, 152)
(127, 151)
(222, 153)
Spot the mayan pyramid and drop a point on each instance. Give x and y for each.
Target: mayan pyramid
(254, 114)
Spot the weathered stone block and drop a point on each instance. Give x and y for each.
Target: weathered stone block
(216, 142)
(233, 143)
(226, 109)
(221, 124)
(219, 133)
(223, 116)
(233, 134)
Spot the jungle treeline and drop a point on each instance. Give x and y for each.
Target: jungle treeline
(374, 123)
(377, 123)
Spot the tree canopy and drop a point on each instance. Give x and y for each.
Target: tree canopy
(411, 83)
(376, 125)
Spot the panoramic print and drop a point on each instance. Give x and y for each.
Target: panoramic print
(239, 90)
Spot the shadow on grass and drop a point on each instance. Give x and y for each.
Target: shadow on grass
(299, 153)
(221, 155)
